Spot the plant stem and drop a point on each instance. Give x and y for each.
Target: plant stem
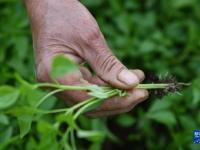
(71, 87)
(59, 86)
(72, 139)
(184, 84)
(65, 138)
(55, 111)
(48, 95)
(81, 103)
(85, 107)
(152, 86)
(93, 102)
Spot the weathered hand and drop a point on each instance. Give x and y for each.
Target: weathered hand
(66, 27)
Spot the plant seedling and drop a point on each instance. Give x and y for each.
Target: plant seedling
(98, 94)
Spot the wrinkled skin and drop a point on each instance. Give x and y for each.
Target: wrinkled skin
(66, 27)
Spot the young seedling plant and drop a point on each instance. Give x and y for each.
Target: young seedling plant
(61, 65)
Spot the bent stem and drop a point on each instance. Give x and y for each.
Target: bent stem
(85, 107)
(47, 96)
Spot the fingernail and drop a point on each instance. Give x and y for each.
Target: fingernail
(128, 77)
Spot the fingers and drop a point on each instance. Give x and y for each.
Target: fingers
(111, 106)
(75, 78)
(118, 105)
(87, 75)
(112, 71)
(104, 63)
(139, 74)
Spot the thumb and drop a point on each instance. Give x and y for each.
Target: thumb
(111, 70)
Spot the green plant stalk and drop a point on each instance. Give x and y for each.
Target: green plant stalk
(82, 109)
(73, 108)
(108, 90)
(71, 87)
(54, 111)
(152, 86)
(59, 86)
(72, 139)
(47, 96)
(93, 102)
(86, 105)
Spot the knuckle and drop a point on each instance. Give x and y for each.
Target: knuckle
(141, 74)
(126, 105)
(92, 37)
(40, 73)
(43, 69)
(141, 93)
(143, 96)
(146, 94)
(131, 107)
(128, 108)
(107, 63)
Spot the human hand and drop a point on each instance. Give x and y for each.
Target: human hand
(66, 27)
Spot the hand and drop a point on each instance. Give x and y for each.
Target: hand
(66, 27)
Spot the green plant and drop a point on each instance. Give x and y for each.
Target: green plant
(145, 35)
(25, 114)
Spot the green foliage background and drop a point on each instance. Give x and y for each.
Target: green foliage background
(156, 36)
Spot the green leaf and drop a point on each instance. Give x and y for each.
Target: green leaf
(21, 110)
(31, 144)
(196, 96)
(25, 116)
(45, 127)
(125, 120)
(97, 91)
(183, 3)
(8, 96)
(166, 117)
(90, 106)
(187, 122)
(30, 96)
(62, 65)
(5, 135)
(91, 135)
(25, 122)
(98, 94)
(3, 119)
(159, 105)
(92, 4)
(68, 118)
(48, 136)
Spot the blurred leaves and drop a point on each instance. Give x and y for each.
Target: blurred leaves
(156, 36)
(160, 112)
(8, 96)
(4, 119)
(125, 120)
(163, 116)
